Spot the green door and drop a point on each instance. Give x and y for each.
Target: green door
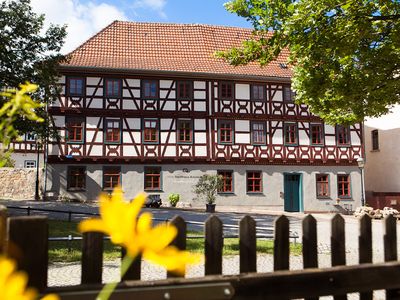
(292, 192)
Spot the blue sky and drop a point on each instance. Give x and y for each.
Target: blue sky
(84, 18)
(189, 11)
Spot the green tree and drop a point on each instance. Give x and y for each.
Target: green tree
(28, 53)
(345, 53)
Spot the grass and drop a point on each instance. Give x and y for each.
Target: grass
(59, 252)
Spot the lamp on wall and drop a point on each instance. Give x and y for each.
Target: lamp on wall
(361, 165)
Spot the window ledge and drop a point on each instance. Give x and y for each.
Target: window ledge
(324, 198)
(376, 150)
(226, 193)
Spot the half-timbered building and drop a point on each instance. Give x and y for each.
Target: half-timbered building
(148, 106)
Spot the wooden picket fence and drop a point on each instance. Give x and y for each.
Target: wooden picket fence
(27, 242)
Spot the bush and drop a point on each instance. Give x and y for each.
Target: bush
(174, 199)
(207, 187)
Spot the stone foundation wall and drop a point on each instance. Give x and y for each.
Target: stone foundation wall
(17, 183)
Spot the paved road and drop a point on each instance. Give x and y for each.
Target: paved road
(194, 218)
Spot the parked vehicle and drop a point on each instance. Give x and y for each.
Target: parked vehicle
(153, 201)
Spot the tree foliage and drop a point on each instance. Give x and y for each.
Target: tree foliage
(345, 53)
(28, 52)
(208, 186)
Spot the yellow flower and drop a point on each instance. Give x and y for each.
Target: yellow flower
(13, 283)
(119, 219)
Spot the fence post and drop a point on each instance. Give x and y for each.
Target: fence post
(390, 242)
(28, 211)
(213, 246)
(69, 216)
(28, 245)
(281, 244)
(338, 248)
(134, 270)
(365, 248)
(3, 228)
(247, 245)
(180, 239)
(92, 257)
(310, 253)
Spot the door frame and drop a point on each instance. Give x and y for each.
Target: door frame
(301, 202)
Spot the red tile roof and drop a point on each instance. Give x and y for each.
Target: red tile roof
(169, 47)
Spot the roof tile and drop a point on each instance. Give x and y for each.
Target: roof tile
(169, 47)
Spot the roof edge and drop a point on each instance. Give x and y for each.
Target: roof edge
(163, 73)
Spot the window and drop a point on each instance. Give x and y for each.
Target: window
(76, 178)
(257, 93)
(258, 135)
(185, 133)
(288, 94)
(226, 90)
(149, 89)
(113, 88)
(30, 137)
(343, 182)
(322, 185)
(375, 139)
(342, 135)
(74, 129)
(30, 164)
(227, 182)
(111, 177)
(316, 134)
(152, 178)
(225, 132)
(112, 131)
(150, 132)
(184, 90)
(254, 182)
(75, 86)
(290, 133)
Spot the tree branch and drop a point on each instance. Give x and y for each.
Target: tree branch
(384, 18)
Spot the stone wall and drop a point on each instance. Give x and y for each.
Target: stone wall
(17, 183)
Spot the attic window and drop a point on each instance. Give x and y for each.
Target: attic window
(283, 66)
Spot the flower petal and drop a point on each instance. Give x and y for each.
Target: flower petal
(172, 259)
(92, 225)
(159, 237)
(51, 297)
(144, 223)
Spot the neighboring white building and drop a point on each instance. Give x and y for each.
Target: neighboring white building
(382, 143)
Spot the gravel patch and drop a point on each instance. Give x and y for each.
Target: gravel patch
(62, 274)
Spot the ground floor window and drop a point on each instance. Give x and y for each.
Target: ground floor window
(254, 182)
(322, 185)
(111, 177)
(152, 178)
(30, 164)
(227, 181)
(76, 178)
(343, 181)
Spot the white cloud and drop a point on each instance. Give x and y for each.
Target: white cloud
(83, 20)
(157, 5)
